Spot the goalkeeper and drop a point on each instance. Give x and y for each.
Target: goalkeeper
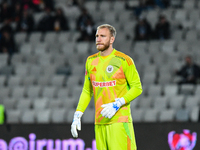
(112, 78)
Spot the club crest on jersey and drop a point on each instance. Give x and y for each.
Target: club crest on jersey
(109, 69)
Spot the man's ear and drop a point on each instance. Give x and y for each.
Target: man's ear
(112, 39)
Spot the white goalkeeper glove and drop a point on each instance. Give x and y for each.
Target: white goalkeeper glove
(110, 109)
(76, 124)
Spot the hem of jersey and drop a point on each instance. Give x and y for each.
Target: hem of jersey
(112, 122)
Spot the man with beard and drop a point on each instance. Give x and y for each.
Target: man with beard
(190, 72)
(112, 78)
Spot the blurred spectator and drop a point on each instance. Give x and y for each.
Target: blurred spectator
(7, 43)
(75, 2)
(82, 19)
(162, 29)
(17, 12)
(190, 72)
(88, 32)
(31, 4)
(162, 3)
(7, 26)
(60, 21)
(5, 11)
(142, 30)
(26, 22)
(47, 21)
(143, 5)
(49, 3)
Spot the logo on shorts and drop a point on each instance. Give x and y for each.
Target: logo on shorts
(109, 69)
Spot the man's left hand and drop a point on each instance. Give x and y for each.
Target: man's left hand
(110, 109)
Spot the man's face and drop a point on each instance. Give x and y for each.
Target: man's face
(103, 39)
(188, 60)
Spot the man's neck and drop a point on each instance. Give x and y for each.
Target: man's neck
(106, 52)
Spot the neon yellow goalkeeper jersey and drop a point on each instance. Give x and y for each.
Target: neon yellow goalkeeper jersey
(108, 78)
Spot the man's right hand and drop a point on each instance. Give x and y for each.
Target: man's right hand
(76, 124)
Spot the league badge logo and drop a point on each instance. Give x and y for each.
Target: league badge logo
(109, 69)
(182, 141)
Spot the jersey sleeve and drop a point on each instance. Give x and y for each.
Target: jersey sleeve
(133, 80)
(86, 93)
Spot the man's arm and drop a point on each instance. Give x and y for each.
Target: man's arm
(135, 86)
(84, 100)
(134, 82)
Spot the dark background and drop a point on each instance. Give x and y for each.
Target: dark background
(149, 136)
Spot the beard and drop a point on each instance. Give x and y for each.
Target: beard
(103, 46)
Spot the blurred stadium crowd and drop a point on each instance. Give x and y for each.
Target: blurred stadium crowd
(44, 45)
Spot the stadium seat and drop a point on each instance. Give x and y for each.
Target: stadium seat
(45, 60)
(29, 80)
(91, 6)
(151, 115)
(137, 115)
(58, 115)
(194, 15)
(70, 115)
(192, 101)
(194, 114)
(44, 80)
(55, 104)
(3, 80)
(28, 116)
(118, 6)
(70, 103)
(182, 115)
(4, 92)
(89, 115)
(22, 69)
(20, 38)
(78, 69)
(145, 102)
(177, 35)
(40, 48)
(180, 15)
(40, 103)
(43, 116)
(167, 115)
(35, 70)
(189, 5)
(24, 103)
(63, 37)
(26, 49)
(34, 91)
(168, 46)
(49, 92)
(13, 116)
(170, 90)
(191, 36)
(62, 93)
(149, 78)
(187, 89)
(105, 6)
(18, 92)
(50, 37)
(155, 90)
(58, 80)
(14, 81)
(176, 102)
(9, 103)
(60, 59)
(35, 37)
(48, 71)
(160, 102)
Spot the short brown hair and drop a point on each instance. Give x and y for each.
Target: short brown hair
(109, 27)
